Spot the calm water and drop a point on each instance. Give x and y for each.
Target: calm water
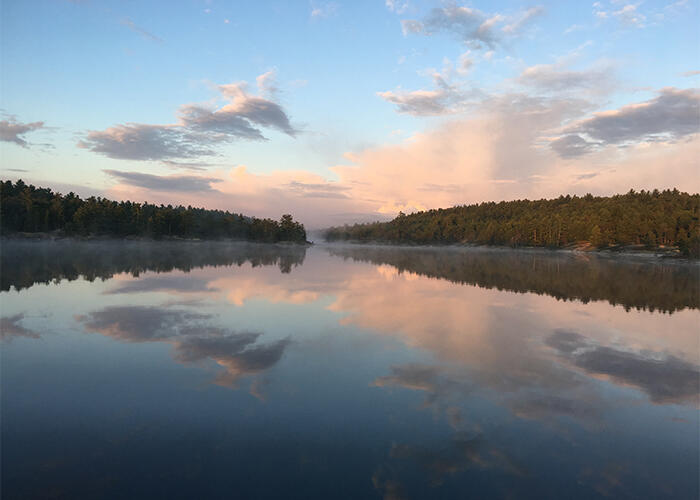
(134, 370)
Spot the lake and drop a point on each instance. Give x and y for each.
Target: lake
(231, 370)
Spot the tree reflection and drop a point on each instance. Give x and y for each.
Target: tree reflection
(633, 283)
(24, 264)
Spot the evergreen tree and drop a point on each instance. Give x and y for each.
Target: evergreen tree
(26, 208)
(651, 218)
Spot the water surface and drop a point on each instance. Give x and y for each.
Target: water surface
(218, 370)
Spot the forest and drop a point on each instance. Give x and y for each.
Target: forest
(29, 209)
(651, 219)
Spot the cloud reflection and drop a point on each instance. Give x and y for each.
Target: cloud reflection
(236, 352)
(10, 328)
(664, 377)
(239, 353)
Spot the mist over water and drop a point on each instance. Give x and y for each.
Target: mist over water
(220, 370)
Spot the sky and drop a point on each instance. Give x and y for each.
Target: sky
(342, 112)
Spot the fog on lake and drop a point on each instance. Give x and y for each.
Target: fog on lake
(232, 370)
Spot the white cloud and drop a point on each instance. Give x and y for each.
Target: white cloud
(397, 6)
(523, 19)
(629, 15)
(323, 9)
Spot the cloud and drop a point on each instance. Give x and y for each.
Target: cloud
(571, 146)
(236, 352)
(665, 378)
(691, 73)
(543, 406)
(465, 63)
(523, 19)
(199, 128)
(468, 447)
(267, 83)
(397, 6)
(189, 165)
(318, 190)
(508, 146)
(573, 28)
(670, 116)
(599, 12)
(167, 283)
(255, 109)
(200, 343)
(445, 98)
(217, 126)
(470, 25)
(583, 177)
(627, 15)
(172, 183)
(323, 9)
(554, 77)
(136, 141)
(137, 29)
(13, 131)
(137, 323)
(630, 16)
(450, 96)
(478, 154)
(10, 328)
(298, 192)
(417, 377)
(419, 102)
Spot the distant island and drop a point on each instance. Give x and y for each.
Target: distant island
(35, 210)
(637, 220)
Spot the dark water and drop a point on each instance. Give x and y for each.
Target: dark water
(146, 370)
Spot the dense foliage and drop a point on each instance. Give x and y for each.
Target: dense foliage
(25, 208)
(651, 218)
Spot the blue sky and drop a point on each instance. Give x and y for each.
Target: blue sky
(360, 86)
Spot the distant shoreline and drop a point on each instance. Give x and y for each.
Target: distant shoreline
(51, 237)
(666, 252)
(661, 222)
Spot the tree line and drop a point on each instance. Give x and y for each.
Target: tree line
(649, 218)
(30, 209)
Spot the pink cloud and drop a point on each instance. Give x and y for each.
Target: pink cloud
(503, 152)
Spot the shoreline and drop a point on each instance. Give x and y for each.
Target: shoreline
(636, 251)
(50, 237)
(665, 253)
